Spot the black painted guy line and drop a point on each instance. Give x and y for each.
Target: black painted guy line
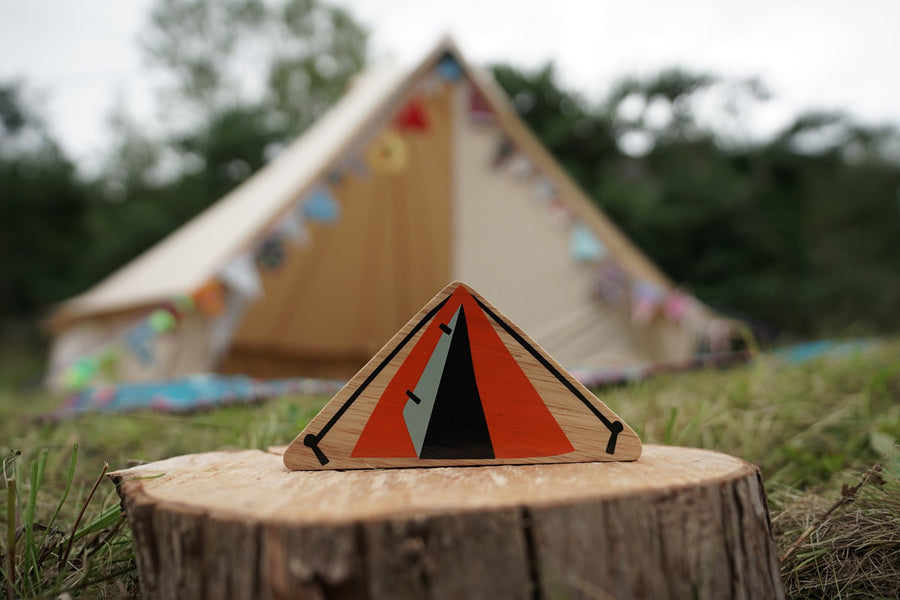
(446, 329)
(312, 439)
(413, 397)
(615, 427)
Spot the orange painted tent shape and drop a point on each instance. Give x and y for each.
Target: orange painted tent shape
(460, 384)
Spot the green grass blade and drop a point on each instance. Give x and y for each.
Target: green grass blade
(65, 556)
(10, 575)
(70, 478)
(105, 519)
(31, 568)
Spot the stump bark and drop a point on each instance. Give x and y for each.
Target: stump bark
(678, 523)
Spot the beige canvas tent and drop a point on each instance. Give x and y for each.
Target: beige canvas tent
(419, 176)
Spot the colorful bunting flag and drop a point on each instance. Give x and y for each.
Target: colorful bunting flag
(449, 69)
(270, 254)
(292, 227)
(182, 304)
(584, 245)
(210, 298)
(610, 283)
(241, 276)
(162, 320)
(675, 306)
(559, 211)
(480, 111)
(321, 207)
(139, 340)
(222, 329)
(79, 375)
(412, 117)
(388, 155)
(646, 298)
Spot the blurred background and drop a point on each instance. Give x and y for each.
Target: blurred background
(751, 149)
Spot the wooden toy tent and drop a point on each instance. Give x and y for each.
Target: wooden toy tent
(418, 176)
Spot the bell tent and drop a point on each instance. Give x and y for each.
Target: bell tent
(419, 176)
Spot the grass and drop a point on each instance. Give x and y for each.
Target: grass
(816, 430)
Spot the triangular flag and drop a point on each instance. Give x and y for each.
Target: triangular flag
(584, 245)
(449, 69)
(241, 276)
(139, 339)
(388, 155)
(479, 109)
(293, 226)
(460, 384)
(412, 117)
(646, 298)
(321, 206)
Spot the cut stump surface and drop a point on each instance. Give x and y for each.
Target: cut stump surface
(677, 523)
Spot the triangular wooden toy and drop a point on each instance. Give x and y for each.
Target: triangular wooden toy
(460, 384)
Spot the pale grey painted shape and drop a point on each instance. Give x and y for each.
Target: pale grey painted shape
(417, 416)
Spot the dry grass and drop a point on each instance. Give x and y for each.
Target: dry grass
(849, 548)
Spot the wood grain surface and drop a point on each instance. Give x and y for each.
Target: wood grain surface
(534, 410)
(676, 523)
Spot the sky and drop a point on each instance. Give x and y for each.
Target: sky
(81, 58)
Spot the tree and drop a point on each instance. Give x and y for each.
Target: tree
(42, 212)
(291, 57)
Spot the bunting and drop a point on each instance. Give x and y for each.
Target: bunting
(270, 254)
(646, 298)
(321, 207)
(584, 245)
(241, 276)
(162, 320)
(480, 111)
(449, 69)
(139, 340)
(412, 117)
(388, 155)
(676, 306)
(210, 298)
(610, 283)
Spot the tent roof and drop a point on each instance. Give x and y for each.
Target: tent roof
(196, 252)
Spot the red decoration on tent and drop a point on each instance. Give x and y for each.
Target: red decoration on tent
(412, 117)
(479, 109)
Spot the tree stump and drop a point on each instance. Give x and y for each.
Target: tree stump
(677, 523)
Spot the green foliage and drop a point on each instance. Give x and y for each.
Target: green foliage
(42, 212)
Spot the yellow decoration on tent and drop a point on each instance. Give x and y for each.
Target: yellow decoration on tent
(388, 155)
